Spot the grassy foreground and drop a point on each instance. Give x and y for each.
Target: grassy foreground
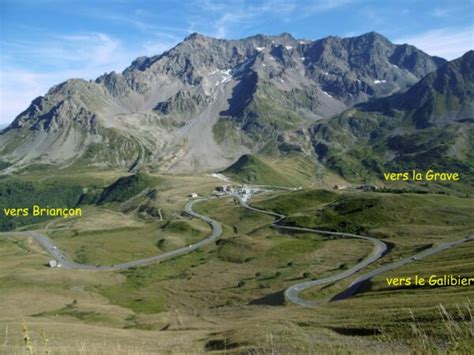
(228, 297)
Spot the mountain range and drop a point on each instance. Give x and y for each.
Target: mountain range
(430, 126)
(355, 105)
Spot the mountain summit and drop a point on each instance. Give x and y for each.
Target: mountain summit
(431, 126)
(207, 101)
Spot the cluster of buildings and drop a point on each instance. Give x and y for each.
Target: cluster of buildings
(244, 192)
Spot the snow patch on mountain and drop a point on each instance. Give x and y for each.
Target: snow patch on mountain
(225, 75)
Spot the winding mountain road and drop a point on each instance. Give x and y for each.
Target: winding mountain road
(66, 263)
(380, 248)
(291, 293)
(356, 284)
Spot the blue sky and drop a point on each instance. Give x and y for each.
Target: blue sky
(44, 42)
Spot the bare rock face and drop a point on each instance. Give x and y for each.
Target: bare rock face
(430, 126)
(207, 101)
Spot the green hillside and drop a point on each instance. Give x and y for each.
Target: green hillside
(428, 127)
(124, 188)
(25, 194)
(361, 213)
(296, 201)
(250, 169)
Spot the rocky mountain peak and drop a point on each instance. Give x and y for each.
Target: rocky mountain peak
(253, 90)
(373, 36)
(195, 36)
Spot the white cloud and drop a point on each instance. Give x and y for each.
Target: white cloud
(93, 49)
(327, 5)
(448, 43)
(351, 34)
(30, 68)
(230, 14)
(227, 20)
(151, 48)
(143, 22)
(19, 87)
(51, 61)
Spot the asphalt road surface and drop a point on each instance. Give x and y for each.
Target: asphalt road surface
(62, 259)
(291, 293)
(380, 249)
(356, 284)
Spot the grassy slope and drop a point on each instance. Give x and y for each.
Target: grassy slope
(373, 210)
(125, 188)
(290, 202)
(25, 194)
(207, 290)
(361, 146)
(63, 190)
(424, 317)
(410, 223)
(250, 169)
(124, 243)
(235, 219)
(267, 262)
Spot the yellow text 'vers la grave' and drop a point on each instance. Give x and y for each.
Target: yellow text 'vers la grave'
(429, 175)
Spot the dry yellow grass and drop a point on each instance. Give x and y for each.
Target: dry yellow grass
(205, 297)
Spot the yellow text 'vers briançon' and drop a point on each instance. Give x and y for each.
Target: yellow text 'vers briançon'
(37, 211)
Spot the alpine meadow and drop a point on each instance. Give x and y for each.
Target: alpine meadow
(234, 192)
